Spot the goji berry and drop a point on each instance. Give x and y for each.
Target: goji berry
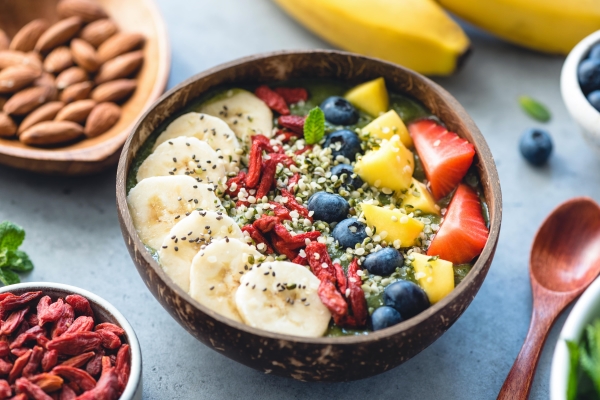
(31, 334)
(358, 303)
(258, 238)
(32, 390)
(4, 349)
(34, 361)
(340, 278)
(281, 159)
(84, 380)
(293, 205)
(300, 260)
(267, 178)
(32, 319)
(94, 367)
(20, 396)
(285, 135)
(282, 213)
(78, 361)
(320, 262)
(66, 393)
(294, 123)
(240, 203)
(64, 322)
(294, 242)
(13, 321)
(235, 184)
(81, 324)
(293, 181)
(117, 330)
(5, 390)
(265, 223)
(80, 305)
(75, 343)
(48, 311)
(303, 150)
(49, 360)
(19, 351)
(280, 247)
(109, 339)
(260, 143)
(273, 100)
(108, 384)
(123, 366)
(5, 367)
(18, 366)
(9, 303)
(292, 95)
(332, 299)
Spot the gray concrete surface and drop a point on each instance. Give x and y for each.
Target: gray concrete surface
(73, 235)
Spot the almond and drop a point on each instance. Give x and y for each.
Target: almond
(8, 127)
(70, 76)
(51, 133)
(120, 67)
(97, 32)
(4, 40)
(77, 91)
(29, 99)
(46, 112)
(87, 10)
(45, 79)
(103, 117)
(84, 55)
(58, 34)
(118, 44)
(28, 35)
(15, 78)
(114, 90)
(58, 60)
(12, 57)
(77, 111)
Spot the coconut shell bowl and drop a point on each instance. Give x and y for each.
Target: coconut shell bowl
(95, 153)
(324, 358)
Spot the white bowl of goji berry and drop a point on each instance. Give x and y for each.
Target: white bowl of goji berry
(62, 339)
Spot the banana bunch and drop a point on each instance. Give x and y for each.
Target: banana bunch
(418, 34)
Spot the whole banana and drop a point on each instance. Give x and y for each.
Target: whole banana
(417, 34)
(553, 26)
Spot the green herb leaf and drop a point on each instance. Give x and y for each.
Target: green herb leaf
(573, 370)
(11, 236)
(8, 277)
(19, 261)
(590, 361)
(534, 109)
(314, 126)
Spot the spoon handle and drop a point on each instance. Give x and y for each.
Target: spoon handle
(518, 382)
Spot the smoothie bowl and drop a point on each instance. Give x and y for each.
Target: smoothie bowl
(316, 215)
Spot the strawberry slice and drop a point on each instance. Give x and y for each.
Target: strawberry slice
(445, 156)
(463, 233)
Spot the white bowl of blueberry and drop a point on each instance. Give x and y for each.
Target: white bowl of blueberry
(580, 87)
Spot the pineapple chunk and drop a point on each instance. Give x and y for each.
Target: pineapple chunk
(390, 166)
(371, 97)
(388, 125)
(419, 198)
(436, 277)
(397, 225)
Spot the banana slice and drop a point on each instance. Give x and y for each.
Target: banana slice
(245, 113)
(216, 272)
(184, 156)
(212, 130)
(156, 204)
(282, 297)
(188, 236)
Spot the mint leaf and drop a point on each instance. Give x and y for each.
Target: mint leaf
(590, 360)
(8, 277)
(534, 109)
(314, 126)
(11, 236)
(573, 370)
(19, 261)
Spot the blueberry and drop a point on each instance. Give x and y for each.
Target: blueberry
(594, 99)
(349, 232)
(536, 146)
(384, 317)
(340, 169)
(338, 111)
(406, 297)
(383, 262)
(588, 73)
(328, 207)
(595, 52)
(345, 143)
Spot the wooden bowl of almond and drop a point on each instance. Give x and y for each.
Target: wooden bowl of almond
(74, 77)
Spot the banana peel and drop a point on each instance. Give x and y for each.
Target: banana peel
(417, 34)
(552, 26)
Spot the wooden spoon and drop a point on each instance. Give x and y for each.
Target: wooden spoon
(565, 259)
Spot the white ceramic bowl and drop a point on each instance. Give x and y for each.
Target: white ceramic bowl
(586, 116)
(104, 312)
(586, 310)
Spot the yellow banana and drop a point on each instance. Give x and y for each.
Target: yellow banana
(553, 26)
(414, 33)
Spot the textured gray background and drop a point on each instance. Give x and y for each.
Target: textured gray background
(73, 235)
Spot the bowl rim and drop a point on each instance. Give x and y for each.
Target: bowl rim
(577, 104)
(484, 153)
(135, 374)
(584, 311)
(106, 148)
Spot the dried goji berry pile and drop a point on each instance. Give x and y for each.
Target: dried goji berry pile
(56, 350)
